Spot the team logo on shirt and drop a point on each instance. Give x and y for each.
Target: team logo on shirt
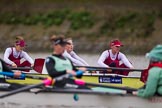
(47, 60)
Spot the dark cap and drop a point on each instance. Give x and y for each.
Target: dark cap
(22, 43)
(59, 41)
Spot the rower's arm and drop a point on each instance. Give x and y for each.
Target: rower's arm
(27, 57)
(125, 60)
(74, 60)
(75, 69)
(102, 58)
(6, 56)
(79, 58)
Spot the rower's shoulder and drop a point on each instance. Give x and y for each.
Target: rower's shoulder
(121, 54)
(155, 69)
(9, 48)
(48, 59)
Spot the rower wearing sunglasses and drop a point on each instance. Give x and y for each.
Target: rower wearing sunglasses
(57, 65)
(70, 54)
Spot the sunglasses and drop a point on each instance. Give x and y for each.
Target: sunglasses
(117, 46)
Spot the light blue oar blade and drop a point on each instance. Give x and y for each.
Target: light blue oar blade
(110, 90)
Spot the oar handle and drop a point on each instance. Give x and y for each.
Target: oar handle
(21, 68)
(11, 74)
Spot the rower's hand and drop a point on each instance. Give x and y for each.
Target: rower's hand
(131, 67)
(14, 65)
(135, 93)
(32, 65)
(17, 74)
(82, 69)
(72, 72)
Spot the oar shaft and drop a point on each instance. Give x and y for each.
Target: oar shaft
(22, 76)
(35, 77)
(91, 68)
(44, 82)
(21, 90)
(21, 68)
(86, 91)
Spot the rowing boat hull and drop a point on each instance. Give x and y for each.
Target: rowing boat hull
(133, 82)
(64, 100)
(126, 81)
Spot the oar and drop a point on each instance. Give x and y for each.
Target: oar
(38, 66)
(91, 68)
(83, 83)
(76, 81)
(45, 82)
(22, 76)
(25, 88)
(87, 91)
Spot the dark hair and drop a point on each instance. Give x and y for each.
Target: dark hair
(56, 37)
(58, 40)
(19, 38)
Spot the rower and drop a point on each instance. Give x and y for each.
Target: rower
(14, 55)
(70, 54)
(57, 65)
(153, 75)
(114, 58)
(3, 83)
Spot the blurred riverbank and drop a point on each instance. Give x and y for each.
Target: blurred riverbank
(91, 24)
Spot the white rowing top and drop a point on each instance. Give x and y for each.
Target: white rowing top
(76, 60)
(121, 57)
(16, 54)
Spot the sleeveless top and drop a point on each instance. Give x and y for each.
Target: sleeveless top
(144, 74)
(108, 60)
(12, 58)
(62, 65)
